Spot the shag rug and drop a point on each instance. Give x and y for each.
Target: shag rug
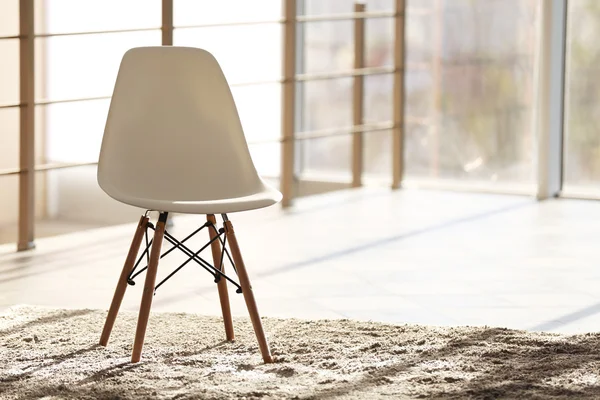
(52, 354)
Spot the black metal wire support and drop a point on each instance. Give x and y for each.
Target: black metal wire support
(215, 271)
(223, 247)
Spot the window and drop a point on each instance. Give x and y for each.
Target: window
(582, 106)
(469, 90)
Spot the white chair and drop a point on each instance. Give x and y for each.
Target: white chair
(173, 142)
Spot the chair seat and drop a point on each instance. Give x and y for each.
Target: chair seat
(265, 198)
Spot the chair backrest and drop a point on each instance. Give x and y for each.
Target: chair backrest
(173, 131)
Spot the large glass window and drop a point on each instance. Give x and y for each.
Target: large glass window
(469, 90)
(582, 105)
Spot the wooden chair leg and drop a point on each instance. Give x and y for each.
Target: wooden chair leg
(222, 284)
(248, 294)
(122, 283)
(148, 292)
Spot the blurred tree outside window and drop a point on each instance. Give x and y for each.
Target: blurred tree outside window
(582, 103)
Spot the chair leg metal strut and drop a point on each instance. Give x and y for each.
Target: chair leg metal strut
(219, 239)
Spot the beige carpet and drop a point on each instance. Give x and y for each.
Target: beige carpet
(52, 354)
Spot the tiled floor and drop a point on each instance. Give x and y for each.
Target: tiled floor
(424, 257)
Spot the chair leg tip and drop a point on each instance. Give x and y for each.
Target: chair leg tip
(135, 360)
(268, 359)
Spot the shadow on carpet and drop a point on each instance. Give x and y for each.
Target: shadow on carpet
(52, 354)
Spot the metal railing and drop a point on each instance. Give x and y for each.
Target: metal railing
(289, 136)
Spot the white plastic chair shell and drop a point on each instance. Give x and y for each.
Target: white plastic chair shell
(173, 140)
